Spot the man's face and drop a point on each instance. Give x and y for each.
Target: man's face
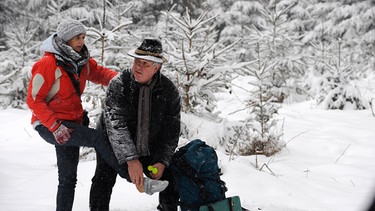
(77, 42)
(143, 70)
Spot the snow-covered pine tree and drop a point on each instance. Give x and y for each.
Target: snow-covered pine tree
(258, 133)
(277, 71)
(339, 55)
(13, 84)
(14, 70)
(234, 21)
(337, 90)
(111, 24)
(199, 62)
(282, 41)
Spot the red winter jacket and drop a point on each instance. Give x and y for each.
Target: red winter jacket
(51, 95)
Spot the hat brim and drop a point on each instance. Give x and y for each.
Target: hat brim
(145, 57)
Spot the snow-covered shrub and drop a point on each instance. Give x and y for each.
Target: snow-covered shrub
(13, 84)
(245, 138)
(340, 95)
(336, 88)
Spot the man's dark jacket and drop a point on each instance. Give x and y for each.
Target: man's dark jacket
(120, 116)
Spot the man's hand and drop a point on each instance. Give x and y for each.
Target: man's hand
(135, 170)
(160, 168)
(62, 134)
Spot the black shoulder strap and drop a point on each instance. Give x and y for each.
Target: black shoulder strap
(70, 72)
(190, 172)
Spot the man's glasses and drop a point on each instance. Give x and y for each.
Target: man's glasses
(143, 63)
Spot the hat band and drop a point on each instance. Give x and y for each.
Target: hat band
(148, 53)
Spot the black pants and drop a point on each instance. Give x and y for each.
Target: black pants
(105, 178)
(68, 155)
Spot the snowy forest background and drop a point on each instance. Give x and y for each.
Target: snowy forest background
(286, 50)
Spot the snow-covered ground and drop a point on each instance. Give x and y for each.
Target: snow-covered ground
(328, 164)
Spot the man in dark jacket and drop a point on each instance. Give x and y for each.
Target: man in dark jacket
(142, 118)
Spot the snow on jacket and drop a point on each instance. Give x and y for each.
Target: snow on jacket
(121, 112)
(64, 104)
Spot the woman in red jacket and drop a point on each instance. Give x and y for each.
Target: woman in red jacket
(54, 92)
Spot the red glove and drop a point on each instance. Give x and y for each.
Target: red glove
(62, 134)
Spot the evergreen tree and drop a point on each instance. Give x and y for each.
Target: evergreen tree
(337, 90)
(20, 31)
(282, 48)
(199, 62)
(234, 23)
(258, 133)
(340, 55)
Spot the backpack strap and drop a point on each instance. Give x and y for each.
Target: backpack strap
(70, 72)
(231, 204)
(190, 172)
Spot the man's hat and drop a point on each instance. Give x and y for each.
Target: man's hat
(150, 50)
